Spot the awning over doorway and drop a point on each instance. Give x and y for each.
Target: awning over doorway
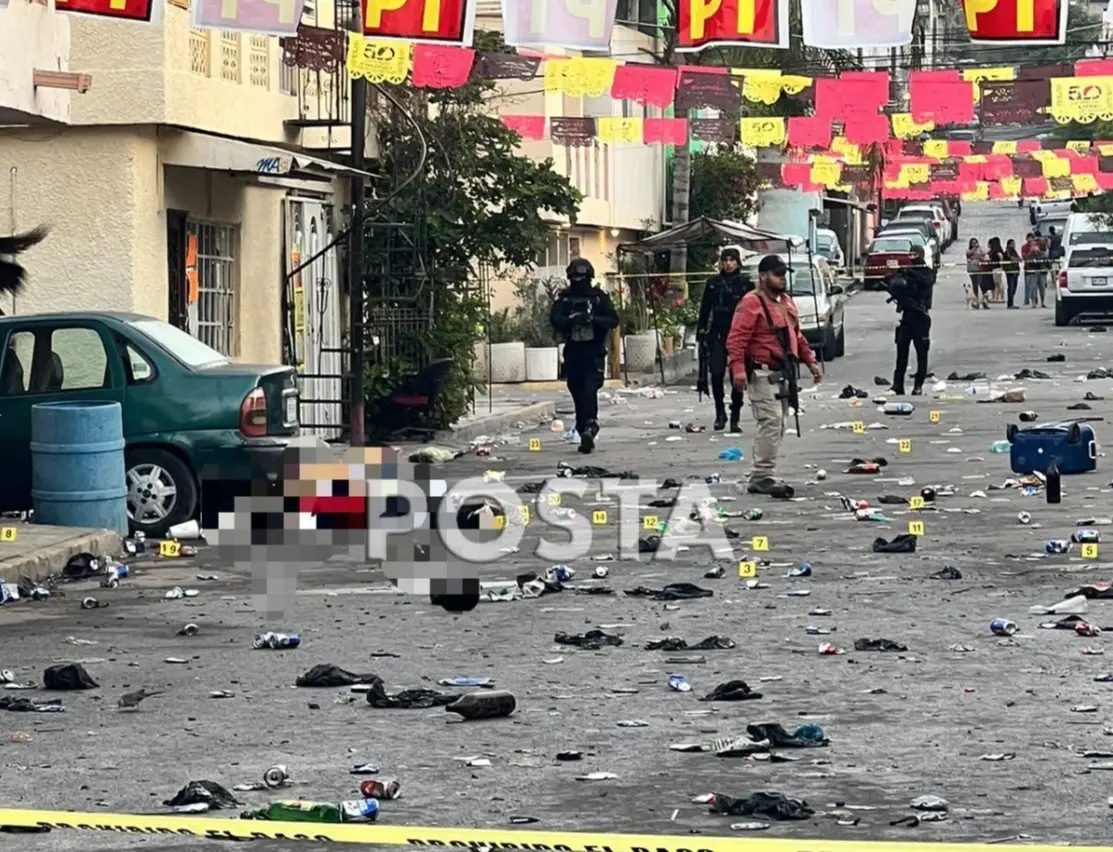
(197, 150)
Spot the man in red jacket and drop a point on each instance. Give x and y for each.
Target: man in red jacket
(765, 331)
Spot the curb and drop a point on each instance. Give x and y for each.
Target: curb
(52, 558)
(494, 423)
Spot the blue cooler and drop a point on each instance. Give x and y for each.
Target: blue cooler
(1072, 445)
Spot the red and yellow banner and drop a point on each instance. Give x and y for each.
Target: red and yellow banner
(710, 23)
(1023, 22)
(429, 21)
(124, 10)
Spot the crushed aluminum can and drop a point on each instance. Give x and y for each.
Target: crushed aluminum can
(276, 776)
(190, 629)
(1003, 627)
(1023, 518)
(602, 572)
(381, 788)
(90, 603)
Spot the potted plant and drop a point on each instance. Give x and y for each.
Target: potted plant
(507, 350)
(535, 305)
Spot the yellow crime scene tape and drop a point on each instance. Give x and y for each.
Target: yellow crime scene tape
(460, 838)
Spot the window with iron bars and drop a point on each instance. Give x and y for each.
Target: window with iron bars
(217, 273)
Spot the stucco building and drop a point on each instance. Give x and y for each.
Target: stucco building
(184, 184)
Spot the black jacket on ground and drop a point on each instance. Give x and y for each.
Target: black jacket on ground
(583, 317)
(721, 296)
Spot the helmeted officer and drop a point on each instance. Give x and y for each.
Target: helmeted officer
(584, 315)
(911, 289)
(716, 311)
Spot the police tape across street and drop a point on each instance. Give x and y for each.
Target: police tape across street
(21, 820)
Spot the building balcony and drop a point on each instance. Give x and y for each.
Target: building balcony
(36, 84)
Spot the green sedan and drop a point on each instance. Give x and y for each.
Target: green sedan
(189, 413)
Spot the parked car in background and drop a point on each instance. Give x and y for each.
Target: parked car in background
(933, 252)
(1084, 284)
(188, 411)
(827, 246)
(932, 215)
(1087, 229)
(819, 300)
(946, 227)
(886, 255)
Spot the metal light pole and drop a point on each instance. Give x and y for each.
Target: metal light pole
(356, 424)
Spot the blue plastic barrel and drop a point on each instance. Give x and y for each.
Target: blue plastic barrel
(77, 465)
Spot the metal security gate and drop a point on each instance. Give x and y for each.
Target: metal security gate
(314, 300)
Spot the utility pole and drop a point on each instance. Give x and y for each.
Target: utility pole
(357, 189)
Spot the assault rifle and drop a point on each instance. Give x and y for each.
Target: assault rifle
(702, 384)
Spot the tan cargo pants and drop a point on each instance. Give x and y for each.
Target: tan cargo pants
(769, 422)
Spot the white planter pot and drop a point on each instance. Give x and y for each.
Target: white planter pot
(508, 363)
(542, 364)
(641, 351)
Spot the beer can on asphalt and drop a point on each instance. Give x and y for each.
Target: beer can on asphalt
(1003, 627)
(276, 776)
(380, 788)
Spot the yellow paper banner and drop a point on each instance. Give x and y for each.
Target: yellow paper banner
(1084, 183)
(1080, 145)
(763, 132)
(618, 129)
(1082, 99)
(905, 128)
(851, 154)
(976, 75)
(1004, 147)
(1105, 150)
(579, 77)
(1011, 186)
(936, 148)
(378, 61)
(1044, 155)
(911, 173)
(980, 192)
(793, 84)
(760, 85)
(826, 174)
(975, 158)
(1056, 168)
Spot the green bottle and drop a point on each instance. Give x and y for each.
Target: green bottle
(363, 810)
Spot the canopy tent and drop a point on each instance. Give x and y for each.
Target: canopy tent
(704, 230)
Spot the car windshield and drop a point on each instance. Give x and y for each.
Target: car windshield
(1091, 258)
(902, 244)
(186, 348)
(800, 280)
(1091, 238)
(915, 214)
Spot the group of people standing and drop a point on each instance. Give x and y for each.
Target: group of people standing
(995, 271)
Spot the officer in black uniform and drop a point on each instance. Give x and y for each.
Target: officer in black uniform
(911, 289)
(716, 311)
(584, 315)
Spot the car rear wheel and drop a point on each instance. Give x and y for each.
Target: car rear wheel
(1062, 313)
(162, 490)
(830, 345)
(840, 342)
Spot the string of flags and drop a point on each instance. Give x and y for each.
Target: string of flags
(588, 25)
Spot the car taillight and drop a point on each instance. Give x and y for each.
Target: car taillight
(1062, 280)
(253, 414)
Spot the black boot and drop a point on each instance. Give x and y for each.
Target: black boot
(735, 416)
(898, 386)
(587, 437)
(720, 418)
(917, 390)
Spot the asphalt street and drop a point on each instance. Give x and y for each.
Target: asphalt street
(900, 724)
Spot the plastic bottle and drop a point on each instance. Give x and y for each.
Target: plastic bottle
(1054, 485)
(1000, 447)
(357, 810)
(903, 408)
(484, 705)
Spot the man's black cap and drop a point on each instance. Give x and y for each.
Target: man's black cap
(580, 268)
(730, 254)
(772, 264)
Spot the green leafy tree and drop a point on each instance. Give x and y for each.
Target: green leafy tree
(723, 186)
(452, 167)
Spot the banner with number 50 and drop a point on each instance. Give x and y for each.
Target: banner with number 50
(265, 17)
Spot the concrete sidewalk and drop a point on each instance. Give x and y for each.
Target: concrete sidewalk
(39, 550)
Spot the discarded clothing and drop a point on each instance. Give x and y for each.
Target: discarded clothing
(531, 487)
(1031, 374)
(878, 645)
(892, 500)
(965, 377)
(649, 544)
(805, 736)
(880, 461)
(674, 643)
(851, 392)
(326, 674)
(770, 805)
(1057, 357)
(662, 503)
(83, 565)
(947, 573)
(900, 544)
(26, 705)
(204, 792)
(408, 699)
(538, 586)
(433, 455)
(590, 471)
(593, 640)
(670, 483)
(671, 592)
(68, 677)
(1093, 591)
(881, 381)
(732, 690)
